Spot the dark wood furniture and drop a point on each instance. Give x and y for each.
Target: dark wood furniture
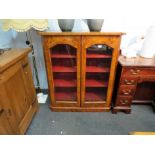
(18, 102)
(136, 83)
(81, 69)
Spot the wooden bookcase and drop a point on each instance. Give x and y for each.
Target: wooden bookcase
(81, 69)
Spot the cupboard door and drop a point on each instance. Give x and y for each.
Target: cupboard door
(97, 77)
(62, 56)
(14, 95)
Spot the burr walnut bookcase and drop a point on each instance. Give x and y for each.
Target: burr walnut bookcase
(81, 69)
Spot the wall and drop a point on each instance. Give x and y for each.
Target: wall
(132, 27)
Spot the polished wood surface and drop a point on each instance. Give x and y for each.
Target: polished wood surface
(12, 56)
(83, 100)
(18, 97)
(136, 83)
(81, 33)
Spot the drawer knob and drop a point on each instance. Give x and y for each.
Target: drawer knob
(124, 101)
(129, 82)
(126, 92)
(134, 72)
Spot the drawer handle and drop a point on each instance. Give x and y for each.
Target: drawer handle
(124, 101)
(134, 72)
(129, 82)
(126, 92)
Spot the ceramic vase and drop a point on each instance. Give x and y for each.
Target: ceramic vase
(95, 24)
(66, 24)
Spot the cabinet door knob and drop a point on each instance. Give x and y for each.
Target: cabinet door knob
(25, 65)
(1, 111)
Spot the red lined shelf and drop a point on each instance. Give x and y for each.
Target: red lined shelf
(64, 83)
(98, 56)
(63, 69)
(61, 56)
(95, 96)
(97, 69)
(63, 96)
(96, 83)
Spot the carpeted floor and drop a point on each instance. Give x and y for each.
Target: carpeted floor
(47, 122)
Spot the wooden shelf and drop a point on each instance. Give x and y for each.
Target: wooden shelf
(61, 56)
(94, 69)
(95, 96)
(64, 96)
(96, 83)
(98, 56)
(95, 49)
(65, 83)
(63, 69)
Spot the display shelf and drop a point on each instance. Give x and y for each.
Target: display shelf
(96, 83)
(63, 69)
(95, 96)
(62, 56)
(95, 49)
(65, 83)
(65, 96)
(94, 69)
(95, 55)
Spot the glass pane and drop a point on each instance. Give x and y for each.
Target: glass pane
(64, 66)
(98, 62)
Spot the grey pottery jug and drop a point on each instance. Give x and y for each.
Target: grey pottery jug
(66, 24)
(95, 24)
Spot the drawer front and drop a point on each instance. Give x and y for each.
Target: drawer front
(128, 90)
(137, 71)
(123, 100)
(128, 81)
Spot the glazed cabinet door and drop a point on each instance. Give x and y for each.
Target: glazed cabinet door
(62, 54)
(98, 69)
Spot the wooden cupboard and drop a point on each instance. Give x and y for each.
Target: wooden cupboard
(81, 69)
(18, 102)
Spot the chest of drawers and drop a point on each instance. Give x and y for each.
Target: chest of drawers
(135, 84)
